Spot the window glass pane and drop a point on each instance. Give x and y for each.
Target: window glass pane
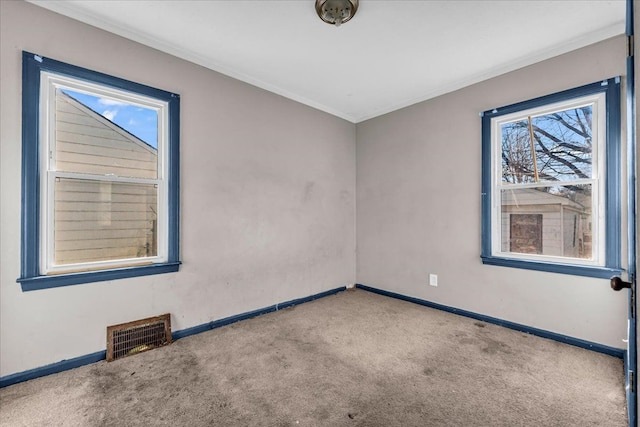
(102, 136)
(553, 221)
(101, 220)
(561, 148)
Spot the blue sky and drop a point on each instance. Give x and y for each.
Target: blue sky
(141, 122)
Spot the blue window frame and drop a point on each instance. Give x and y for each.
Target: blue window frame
(100, 194)
(551, 182)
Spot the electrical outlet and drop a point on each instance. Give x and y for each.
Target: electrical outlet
(433, 279)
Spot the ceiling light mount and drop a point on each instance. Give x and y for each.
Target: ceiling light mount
(336, 12)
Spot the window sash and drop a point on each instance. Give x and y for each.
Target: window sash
(50, 83)
(554, 211)
(597, 181)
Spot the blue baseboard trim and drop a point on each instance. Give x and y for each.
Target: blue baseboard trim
(53, 368)
(600, 348)
(238, 317)
(76, 362)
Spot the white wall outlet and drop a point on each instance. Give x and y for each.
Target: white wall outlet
(433, 280)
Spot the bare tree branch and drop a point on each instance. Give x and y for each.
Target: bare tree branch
(559, 159)
(559, 118)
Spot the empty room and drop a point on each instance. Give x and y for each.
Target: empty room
(317, 213)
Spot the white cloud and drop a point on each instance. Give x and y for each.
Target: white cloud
(132, 122)
(109, 102)
(110, 114)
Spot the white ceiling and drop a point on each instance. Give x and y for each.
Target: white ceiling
(390, 55)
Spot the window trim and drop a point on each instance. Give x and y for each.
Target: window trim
(597, 180)
(612, 236)
(50, 84)
(30, 276)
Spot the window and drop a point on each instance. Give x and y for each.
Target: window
(99, 177)
(551, 182)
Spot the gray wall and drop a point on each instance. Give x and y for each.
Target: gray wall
(268, 202)
(418, 206)
(267, 198)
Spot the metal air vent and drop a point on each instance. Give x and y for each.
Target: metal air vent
(135, 337)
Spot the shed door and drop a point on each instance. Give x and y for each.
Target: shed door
(526, 233)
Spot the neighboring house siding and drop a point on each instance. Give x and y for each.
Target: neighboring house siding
(564, 224)
(98, 220)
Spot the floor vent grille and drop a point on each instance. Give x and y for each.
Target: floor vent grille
(130, 338)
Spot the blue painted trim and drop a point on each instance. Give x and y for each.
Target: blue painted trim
(65, 365)
(600, 348)
(631, 356)
(238, 317)
(613, 198)
(54, 368)
(30, 278)
(630, 410)
(576, 270)
(30, 225)
(58, 280)
(565, 95)
(486, 186)
(629, 19)
(173, 179)
(47, 64)
(613, 265)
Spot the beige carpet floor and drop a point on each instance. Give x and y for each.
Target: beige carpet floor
(351, 359)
